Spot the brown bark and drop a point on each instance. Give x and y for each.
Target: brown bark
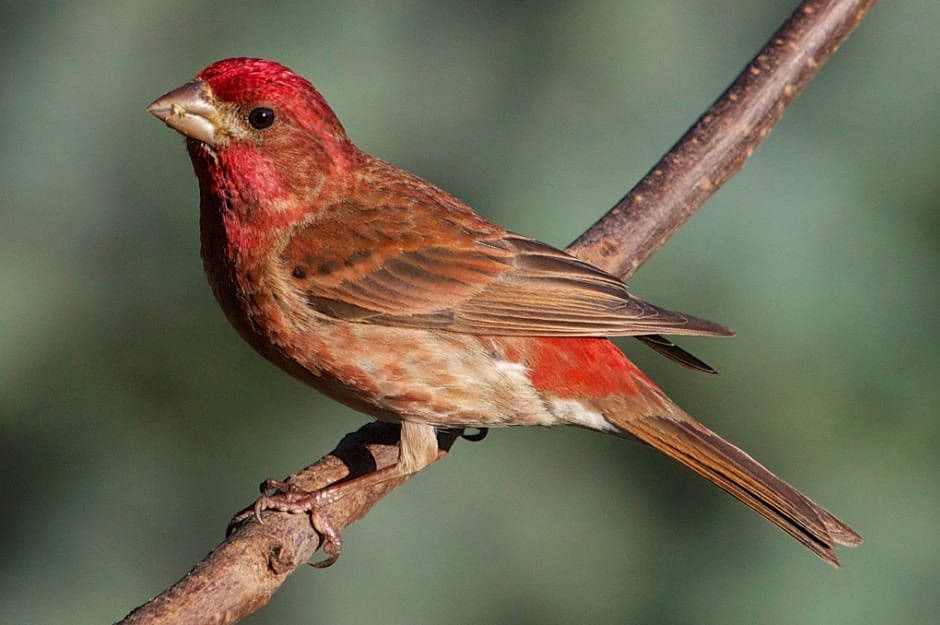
(243, 572)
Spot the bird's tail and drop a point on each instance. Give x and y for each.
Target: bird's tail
(684, 439)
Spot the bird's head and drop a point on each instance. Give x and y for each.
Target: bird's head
(257, 133)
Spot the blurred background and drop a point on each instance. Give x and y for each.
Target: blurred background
(135, 421)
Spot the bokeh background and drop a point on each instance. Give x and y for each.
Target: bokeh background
(134, 421)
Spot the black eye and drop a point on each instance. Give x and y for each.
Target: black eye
(261, 117)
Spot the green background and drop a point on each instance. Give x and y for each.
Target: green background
(134, 421)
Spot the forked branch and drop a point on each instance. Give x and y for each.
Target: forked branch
(240, 575)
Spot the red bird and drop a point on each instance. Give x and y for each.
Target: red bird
(395, 298)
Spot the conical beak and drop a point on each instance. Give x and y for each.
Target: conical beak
(189, 111)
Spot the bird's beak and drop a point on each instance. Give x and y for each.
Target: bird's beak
(189, 111)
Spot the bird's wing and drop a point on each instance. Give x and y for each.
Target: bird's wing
(427, 266)
(664, 347)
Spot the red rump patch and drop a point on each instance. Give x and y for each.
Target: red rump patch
(578, 367)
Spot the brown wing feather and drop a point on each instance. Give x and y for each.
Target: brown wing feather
(670, 350)
(662, 425)
(431, 266)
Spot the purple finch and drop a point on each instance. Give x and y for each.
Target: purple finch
(393, 297)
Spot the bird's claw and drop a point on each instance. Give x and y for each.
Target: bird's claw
(236, 521)
(285, 497)
(329, 539)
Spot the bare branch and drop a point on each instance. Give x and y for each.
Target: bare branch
(715, 148)
(242, 573)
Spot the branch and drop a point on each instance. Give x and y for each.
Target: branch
(715, 148)
(240, 575)
(243, 572)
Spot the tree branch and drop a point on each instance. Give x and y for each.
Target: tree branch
(715, 148)
(242, 573)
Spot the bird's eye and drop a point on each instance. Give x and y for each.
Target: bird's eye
(261, 118)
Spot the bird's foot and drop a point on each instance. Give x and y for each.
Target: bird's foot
(285, 497)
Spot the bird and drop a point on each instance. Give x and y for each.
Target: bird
(392, 296)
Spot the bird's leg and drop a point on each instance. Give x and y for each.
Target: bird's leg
(418, 448)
